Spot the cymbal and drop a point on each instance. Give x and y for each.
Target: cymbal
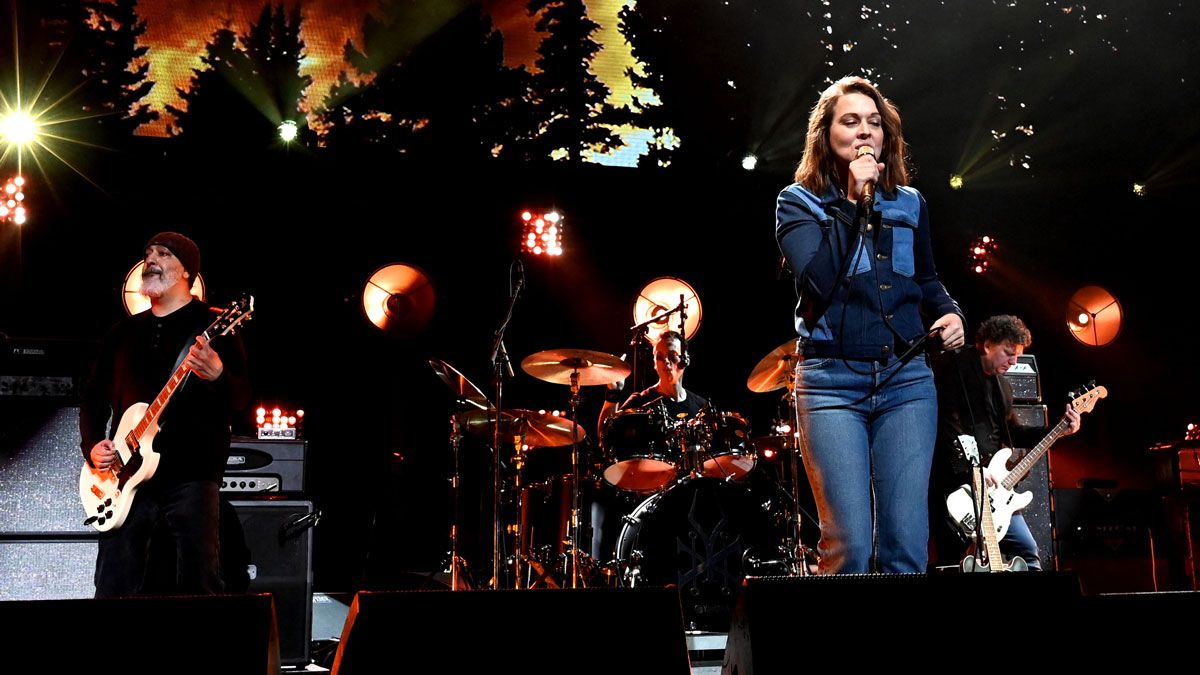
(540, 429)
(662, 295)
(462, 388)
(557, 365)
(399, 299)
(774, 369)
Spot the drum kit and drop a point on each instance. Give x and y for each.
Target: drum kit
(700, 525)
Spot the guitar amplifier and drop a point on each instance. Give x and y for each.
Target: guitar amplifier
(264, 466)
(1025, 380)
(1032, 417)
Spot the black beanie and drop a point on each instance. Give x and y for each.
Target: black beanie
(183, 248)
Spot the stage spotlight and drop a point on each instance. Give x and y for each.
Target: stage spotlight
(288, 131)
(1093, 316)
(980, 254)
(749, 162)
(12, 203)
(1139, 189)
(956, 181)
(399, 299)
(541, 232)
(18, 128)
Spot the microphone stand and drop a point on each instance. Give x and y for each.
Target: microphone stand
(639, 332)
(501, 368)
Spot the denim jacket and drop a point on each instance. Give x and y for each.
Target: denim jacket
(874, 307)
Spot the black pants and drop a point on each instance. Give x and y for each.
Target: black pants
(185, 519)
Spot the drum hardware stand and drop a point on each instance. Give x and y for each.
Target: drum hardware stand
(501, 368)
(455, 561)
(517, 531)
(575, 492)
(468, 401)
(797, 550)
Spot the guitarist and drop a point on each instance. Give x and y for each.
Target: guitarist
(180, 503)
(974, 399)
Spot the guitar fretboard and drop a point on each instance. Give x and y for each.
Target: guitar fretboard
(151, 417)
(1022, 468)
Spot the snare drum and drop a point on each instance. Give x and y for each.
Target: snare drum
(637, 450)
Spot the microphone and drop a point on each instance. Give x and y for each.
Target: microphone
(520, 277)
(866, 197)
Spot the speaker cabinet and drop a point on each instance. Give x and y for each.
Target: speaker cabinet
(1108, 537)
(605, 630)
(47, 568)
(1039, 514)
(39, 468)
(276, 558)
(779, 622)
(192, 634)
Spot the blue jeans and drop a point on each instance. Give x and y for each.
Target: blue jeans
(1019, 541)
(868, 461)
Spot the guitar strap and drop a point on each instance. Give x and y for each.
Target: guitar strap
(187, 347)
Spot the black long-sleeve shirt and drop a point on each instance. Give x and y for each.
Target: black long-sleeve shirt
(136, 359)
(970, 402)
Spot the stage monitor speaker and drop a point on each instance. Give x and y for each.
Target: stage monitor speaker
(182, 634)
(596, 630)
(781, 623)
(277, 560)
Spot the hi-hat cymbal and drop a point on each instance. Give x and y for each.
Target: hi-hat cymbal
(773, 371)
(557, 366)
(539, 429)
(462, 388)
(399, 299)
(661, 296)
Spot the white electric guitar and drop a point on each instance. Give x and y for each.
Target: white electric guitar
(108, 495)
(1004, 500)
(991, 560)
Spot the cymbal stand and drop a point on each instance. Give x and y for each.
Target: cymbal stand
(575, 492)
(796, 546)
(455, 439)
(502, 367)
(518, 530)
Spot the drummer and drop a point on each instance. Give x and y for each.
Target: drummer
(670, 362)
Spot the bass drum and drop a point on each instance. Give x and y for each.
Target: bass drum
(696, 536)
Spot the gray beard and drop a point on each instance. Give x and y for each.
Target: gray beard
(155, 285)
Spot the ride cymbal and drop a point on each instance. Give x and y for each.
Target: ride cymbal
(558, 365)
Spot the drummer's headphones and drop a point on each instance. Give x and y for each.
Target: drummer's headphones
(685, 358)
